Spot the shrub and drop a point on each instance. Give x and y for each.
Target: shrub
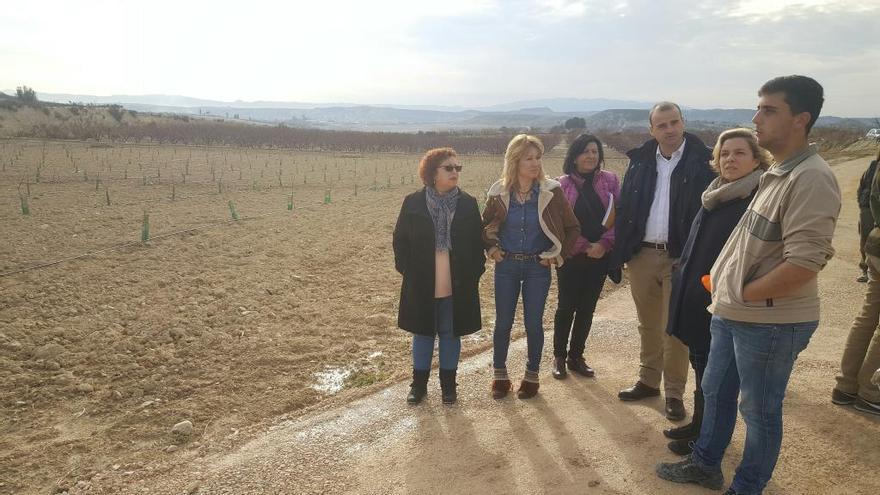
(26, 94)
(116, 111)
(575, 123)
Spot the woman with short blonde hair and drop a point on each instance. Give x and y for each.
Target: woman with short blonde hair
(765, 159)
(739, 162)
(527, 226)
(516, 149)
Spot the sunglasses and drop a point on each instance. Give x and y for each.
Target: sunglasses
(450, 168)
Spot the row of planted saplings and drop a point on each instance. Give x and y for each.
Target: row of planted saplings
(24, 188)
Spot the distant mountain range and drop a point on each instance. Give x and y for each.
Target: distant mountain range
(598, 113)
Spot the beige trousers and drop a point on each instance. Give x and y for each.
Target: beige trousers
(861, 354)
(661, 356)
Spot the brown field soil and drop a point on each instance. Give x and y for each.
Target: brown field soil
(223, 323)
(232, 325)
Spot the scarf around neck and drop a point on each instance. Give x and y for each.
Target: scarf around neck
(719, 192)
(442, 210)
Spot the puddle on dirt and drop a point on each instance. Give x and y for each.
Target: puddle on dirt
(331, 380)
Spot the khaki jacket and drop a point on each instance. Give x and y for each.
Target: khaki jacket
(872, 243)
(557, 219)
(791, 219)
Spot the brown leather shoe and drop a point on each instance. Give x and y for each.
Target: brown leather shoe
(527, 390)
(559, 368)
(638, 391)
(580, 367)
(500, 388)
(674, 409)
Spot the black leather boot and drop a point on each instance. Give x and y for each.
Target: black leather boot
(683, 437)
(691, 430)
(448, 385)
(418, 389)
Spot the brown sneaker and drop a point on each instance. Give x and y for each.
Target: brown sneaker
(527, 390)
(500, 388)
(579, 366)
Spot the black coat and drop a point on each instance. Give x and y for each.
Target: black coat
(414, 255)
(688, 318)
(689, 179)
(864, 191)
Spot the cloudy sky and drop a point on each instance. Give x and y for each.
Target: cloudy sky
(446, 52)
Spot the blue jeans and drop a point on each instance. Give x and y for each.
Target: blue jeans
(753, 360)
(450, 344)
(534, 280)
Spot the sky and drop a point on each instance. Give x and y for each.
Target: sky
(703, 54)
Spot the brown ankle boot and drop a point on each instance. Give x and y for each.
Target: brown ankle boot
(500, 388)
(527, 390)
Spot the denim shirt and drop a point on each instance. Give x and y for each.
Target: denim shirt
(522, 232)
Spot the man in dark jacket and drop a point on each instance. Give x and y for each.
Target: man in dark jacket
(866, 221)
(658, 201)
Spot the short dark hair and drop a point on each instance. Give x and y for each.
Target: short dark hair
(431, 161)
(576, 148)
(662, 107)
(801, 93)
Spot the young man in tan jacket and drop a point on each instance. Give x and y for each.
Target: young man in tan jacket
(765, 300)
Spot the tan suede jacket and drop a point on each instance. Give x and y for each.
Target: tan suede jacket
(557, 219)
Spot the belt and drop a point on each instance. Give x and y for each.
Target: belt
(522, 257)
(663, 246)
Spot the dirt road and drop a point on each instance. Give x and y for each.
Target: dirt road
(575, 437)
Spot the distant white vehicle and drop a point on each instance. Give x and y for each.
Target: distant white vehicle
(873, 134)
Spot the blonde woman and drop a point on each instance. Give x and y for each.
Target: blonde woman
(739, 162)
(528, 226)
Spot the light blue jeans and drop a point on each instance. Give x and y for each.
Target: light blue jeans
(754, 361)
(450, 345)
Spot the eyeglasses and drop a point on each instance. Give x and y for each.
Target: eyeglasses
(450, 168)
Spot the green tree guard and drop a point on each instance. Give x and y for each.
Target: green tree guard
(145, 228)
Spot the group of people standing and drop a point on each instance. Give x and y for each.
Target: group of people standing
(721, 249)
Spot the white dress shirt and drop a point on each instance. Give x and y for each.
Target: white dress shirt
(657, 228)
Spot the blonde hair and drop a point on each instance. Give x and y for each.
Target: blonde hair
(763, 156)
(516, 149)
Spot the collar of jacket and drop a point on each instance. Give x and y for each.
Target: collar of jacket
(647, 153)
(544, 196)
(789, 164)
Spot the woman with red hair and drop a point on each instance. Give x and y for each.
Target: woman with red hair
(439, 251)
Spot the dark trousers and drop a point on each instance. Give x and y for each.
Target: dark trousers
(580, 282)
(866, 224)
(699, 359)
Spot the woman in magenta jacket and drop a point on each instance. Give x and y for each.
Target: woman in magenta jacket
(592, 193)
